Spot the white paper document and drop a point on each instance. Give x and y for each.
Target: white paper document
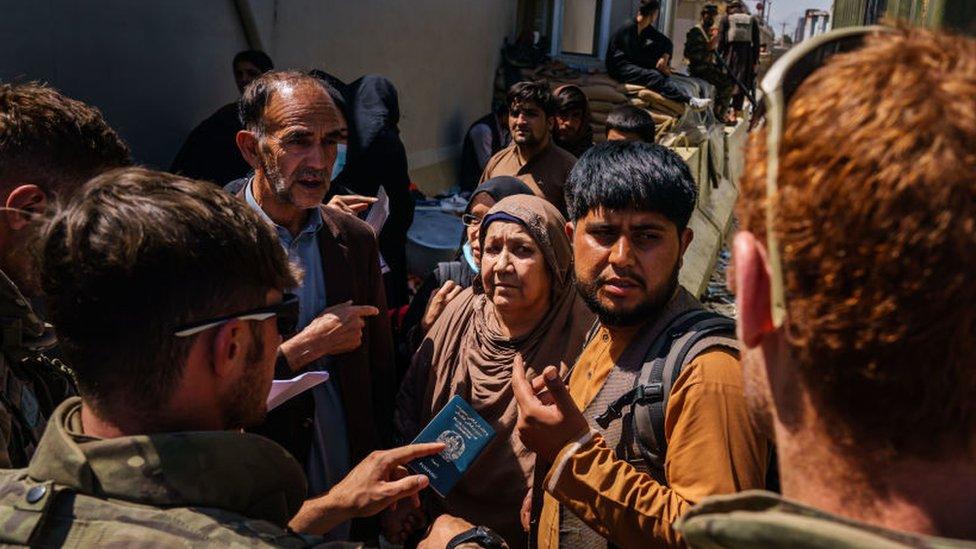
(379, 212)
(284, 389)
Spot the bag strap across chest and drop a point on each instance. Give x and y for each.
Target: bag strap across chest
(688, 335)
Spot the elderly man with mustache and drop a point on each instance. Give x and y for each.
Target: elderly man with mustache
(291, 132)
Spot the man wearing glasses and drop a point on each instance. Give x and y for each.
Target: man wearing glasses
(854, 283)
(292, 129)
(168, 298)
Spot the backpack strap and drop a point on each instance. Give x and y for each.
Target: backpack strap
(687, 336)
(703, 330)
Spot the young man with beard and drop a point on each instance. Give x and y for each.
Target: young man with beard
(291, 131)
(49, 145)
(630, 203)
(533, 157)
(168, 296)
(855, 296)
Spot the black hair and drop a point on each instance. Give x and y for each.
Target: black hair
(569, 98)
(632, 175)
(647, 7)
(532, 92)
(255, 57)
(258, 93)
(631, 119)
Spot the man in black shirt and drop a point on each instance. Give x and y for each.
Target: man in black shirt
(640, 54)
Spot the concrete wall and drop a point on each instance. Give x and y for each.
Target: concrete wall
(158, 67)
(155, 69)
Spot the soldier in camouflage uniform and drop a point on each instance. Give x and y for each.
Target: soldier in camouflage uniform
(169, 370)
(49, 145)
(858, 340)
(700, 47)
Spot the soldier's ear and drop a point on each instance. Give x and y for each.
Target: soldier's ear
(22, 201)
(752, 289)
(229, 349)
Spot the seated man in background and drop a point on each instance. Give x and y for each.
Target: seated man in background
(488, 135)
(210, 152)
(859, 334)
(640, 54)
(49, 146)
(168, 296)
(630, 123)
(533, 157)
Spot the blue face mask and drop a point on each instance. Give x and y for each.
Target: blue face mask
(340, 161)
(469, 257)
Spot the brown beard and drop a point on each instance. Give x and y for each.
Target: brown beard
(245, 406)
(651, 307)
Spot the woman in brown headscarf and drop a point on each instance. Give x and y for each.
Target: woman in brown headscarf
(529, 308)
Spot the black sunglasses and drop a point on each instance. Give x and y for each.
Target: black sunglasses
(286, 312)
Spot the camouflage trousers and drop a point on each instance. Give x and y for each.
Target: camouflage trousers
(724, 85)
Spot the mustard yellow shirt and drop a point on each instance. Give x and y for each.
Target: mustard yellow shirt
(713, 448)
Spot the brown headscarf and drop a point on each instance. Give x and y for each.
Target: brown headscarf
(464, 354)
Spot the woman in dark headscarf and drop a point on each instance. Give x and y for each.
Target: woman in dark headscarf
(573, 130)
(450, 277)
(529, 308)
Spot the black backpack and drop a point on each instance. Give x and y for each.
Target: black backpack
(686, 337)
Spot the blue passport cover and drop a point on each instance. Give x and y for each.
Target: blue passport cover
(464, 432)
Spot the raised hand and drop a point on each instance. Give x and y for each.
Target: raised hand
(438, 302)
(548, 421)
(351, 203)
(379, 481)
(339, 329)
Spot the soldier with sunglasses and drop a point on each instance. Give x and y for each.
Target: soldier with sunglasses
(853, 273)
(168, 297)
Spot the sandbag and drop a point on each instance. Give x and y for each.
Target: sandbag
(654, 101)
(600, 79)
(632, 89)
(601, 106)
(599, 117)
(603, 93)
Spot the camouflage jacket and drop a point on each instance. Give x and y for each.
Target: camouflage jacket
(31, 383)
(763, 519)
(697, 50)
(216, 488)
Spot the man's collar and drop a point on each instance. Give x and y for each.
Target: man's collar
(312, 224)
(239, 472)
(542, 150)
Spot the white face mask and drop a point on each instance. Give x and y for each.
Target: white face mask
(340, 161)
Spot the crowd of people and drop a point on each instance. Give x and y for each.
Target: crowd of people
(147, 314)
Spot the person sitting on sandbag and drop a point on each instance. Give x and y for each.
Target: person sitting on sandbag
(640, 54)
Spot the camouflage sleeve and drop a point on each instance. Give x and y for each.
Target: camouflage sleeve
(696, 47)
